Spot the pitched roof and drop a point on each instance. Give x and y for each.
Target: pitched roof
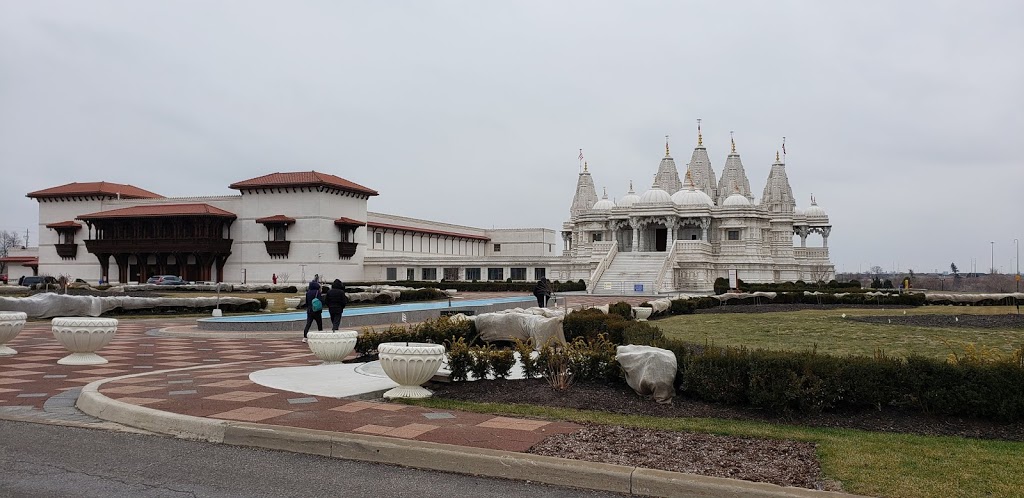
(277, 218)
(426, 230)
(160, 210)
(349, 222)
(24, 260)
(65, 224)
(108, 189)
(302, 179)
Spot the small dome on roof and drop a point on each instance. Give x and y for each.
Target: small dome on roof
(798, 212)
(604, 204)
(630, 198)
(690, 196)
(655, 196)
(736, 200)
(815, 211)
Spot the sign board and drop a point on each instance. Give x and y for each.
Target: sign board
(638, 287)
(733, 280)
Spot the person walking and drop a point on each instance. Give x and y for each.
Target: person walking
(542, 291)
(314, 308)
(336, 300)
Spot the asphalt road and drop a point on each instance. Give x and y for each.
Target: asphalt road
(39, 460)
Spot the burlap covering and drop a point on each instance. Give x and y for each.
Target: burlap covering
(48, 305)
(650, 371)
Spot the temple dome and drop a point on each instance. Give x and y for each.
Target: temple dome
(604, 204)
(630, 198)
(655, 196)
(736, 200)
(815, 211)
(690, 196)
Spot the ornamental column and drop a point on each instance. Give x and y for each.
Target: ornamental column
(635, 225)
(705, 223)
(824, 235)
(671, 223)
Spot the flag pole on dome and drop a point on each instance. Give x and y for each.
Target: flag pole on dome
(783, 150)
(581, 160)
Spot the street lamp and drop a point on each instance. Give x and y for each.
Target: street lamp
(992, 269)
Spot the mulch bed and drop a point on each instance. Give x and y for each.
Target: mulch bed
(764, 460)
(1008, 321)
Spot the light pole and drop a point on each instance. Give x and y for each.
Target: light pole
(992, 269)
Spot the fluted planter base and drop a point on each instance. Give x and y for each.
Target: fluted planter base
(410, 364)
(292, 302)
(83, 336)
(11, 323)
(332, 347)
(642, 313)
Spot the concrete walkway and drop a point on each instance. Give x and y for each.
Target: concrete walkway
(200, 388)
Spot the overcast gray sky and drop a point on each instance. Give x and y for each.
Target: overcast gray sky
(904, 119)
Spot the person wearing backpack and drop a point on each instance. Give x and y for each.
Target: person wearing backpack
(335, 299)
(314, 308)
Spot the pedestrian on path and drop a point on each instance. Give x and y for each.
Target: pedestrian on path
(314, 308)
(542, 291)
(336, 301)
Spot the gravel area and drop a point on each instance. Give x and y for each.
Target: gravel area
(1008, 321)
(764, 460)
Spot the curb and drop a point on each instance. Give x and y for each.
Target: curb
(431, 456)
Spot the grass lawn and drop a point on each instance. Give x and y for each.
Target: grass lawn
(830, 333)
(870, 463)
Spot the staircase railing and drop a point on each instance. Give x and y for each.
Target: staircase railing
(601, 267)
(666, 267)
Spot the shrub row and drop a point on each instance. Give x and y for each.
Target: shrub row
(579, 360)
(439, 331)
(721, 286)
(689, 306)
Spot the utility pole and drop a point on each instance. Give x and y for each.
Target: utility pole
(992, 269)
(26, 239)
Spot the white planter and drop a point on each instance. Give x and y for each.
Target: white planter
(11, 323)
(292, 302)
(642, 313)
(83, 336)
(270, 303)
(410, 364)
(332, 347)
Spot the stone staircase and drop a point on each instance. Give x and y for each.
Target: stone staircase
(628, 270)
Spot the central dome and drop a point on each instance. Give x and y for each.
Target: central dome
(736, 200)
(655, 196)
(630, 198)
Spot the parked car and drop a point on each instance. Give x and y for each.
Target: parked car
(3, 278)
(166, 280)
(38, 281)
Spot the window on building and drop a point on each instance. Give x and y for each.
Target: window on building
(392, 274)
(378, 237)
(451, 273)
(693, 236)
(733, 234)
(497, 247)
(596, 237)
(517, 273)
(539, 273)
(410, 274)
(278, 232)
(429, 274)
(495, 274)
(550, 247)
(472, 274)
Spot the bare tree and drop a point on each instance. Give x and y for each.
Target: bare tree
(9, 239)
(819, 273)
(283, 277)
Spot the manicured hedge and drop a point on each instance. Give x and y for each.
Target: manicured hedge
(721, 286)
(467, 286)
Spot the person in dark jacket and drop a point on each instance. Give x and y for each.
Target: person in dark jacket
(335, 300)
(313, 292)
(543, 292)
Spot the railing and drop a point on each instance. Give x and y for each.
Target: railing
(666, 268)
(602, 266)
(693, 247)
(810, 252)
(113, 246)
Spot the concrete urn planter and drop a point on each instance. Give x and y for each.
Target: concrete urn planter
(292, 302)
(642, 313)
(11, 323)
(83, 336)
(410, 364)
(332, 347)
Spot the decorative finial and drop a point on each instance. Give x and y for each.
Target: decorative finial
(735, 189)
(776, 156)
(700, 139)
(631, 187)
(585, 166)
(605, 193)
(689, 179)
(814, 202)
(733, 141)
(666, 147)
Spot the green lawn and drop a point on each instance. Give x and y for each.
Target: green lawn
(869, 463)
(830, 333)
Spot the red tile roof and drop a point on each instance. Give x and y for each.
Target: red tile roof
(107, 189)
(160, 210)
(349, 222)
(277, 218)
(65, 224)
(303, 179)
(424, 230)
(24, 260)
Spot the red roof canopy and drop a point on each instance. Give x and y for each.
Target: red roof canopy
(65, 224)
(106, 189)
(303, 179)
(276, 219)
(349, 222)
(425, 230)
(160, 210)
(24, 260)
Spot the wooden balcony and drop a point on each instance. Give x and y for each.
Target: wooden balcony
(151, 246)
(347, 249)
(278, 248)
(67, 251)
